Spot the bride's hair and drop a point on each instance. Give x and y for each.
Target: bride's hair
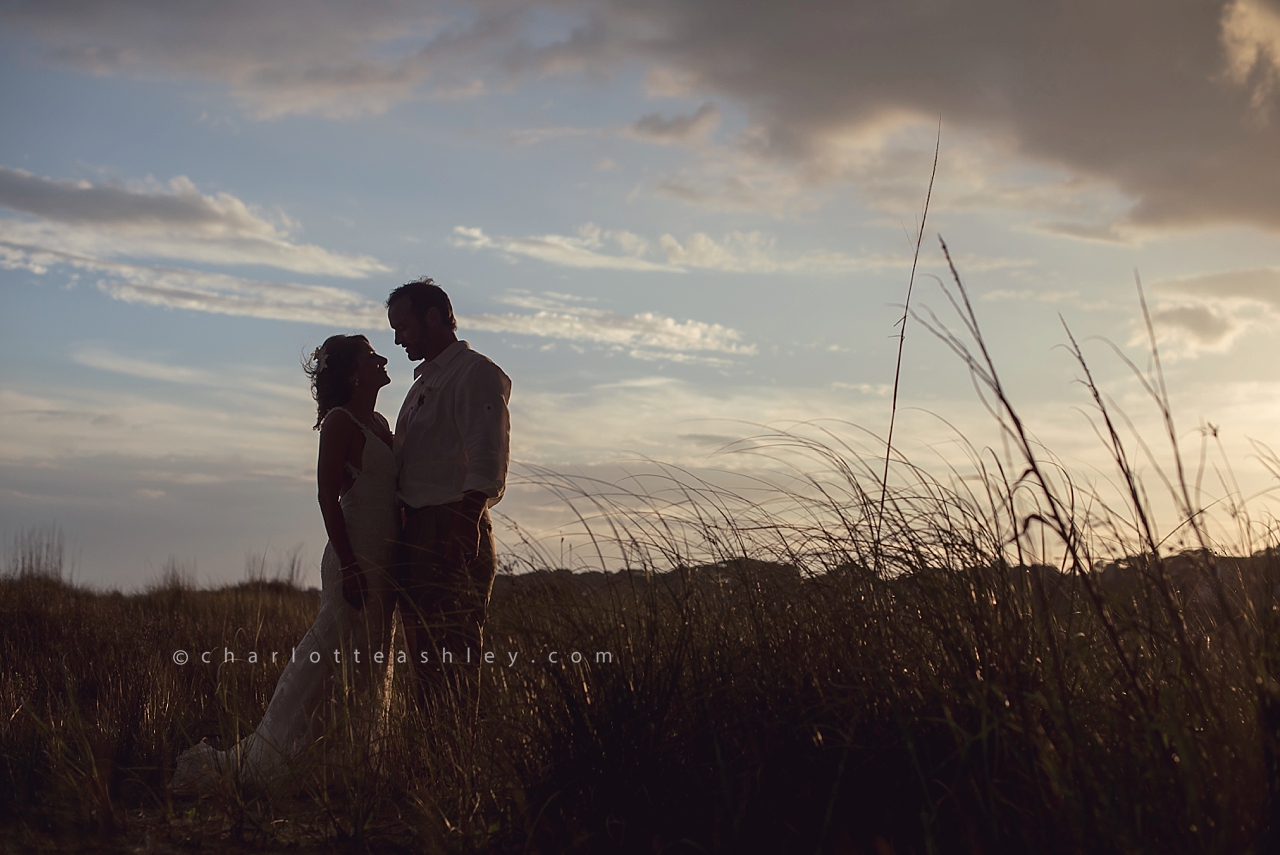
(331, 368)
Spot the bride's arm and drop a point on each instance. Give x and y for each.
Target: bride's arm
(382, 420)
(336, 436)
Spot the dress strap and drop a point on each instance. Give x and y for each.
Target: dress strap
(361, 424)
(351, 470)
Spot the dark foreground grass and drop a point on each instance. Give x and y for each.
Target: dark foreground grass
(1006, 663)
(746, 708)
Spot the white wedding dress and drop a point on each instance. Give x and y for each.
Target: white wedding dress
(296, 716)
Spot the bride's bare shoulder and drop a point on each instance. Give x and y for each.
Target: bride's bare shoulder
(337, 425)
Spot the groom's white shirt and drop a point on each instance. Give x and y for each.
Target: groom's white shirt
(453, 434)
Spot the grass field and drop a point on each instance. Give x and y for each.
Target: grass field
(747, 708)
(993, 665)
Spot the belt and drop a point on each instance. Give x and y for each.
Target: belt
(409, 510)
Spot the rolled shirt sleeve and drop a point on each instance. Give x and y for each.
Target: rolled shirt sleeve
(484, 423)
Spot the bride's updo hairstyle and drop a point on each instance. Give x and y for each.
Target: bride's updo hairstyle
(332, 369)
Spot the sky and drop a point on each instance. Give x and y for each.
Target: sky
(674, 225)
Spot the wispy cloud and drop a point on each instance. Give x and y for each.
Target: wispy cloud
(1113, 232)
(115, 234)
(241, 379)
(878, 390)
(647, 336)
(694, 129)
(755, 252)
(677, 129)
(1258, 285)
(231, 295)
(580, 251)
(736, 252)
(555, 316)
(148, 220)
(534, 136)
(219, 293)
(291, 58)
(1209, 313)
(1057, 298)
(1193, 328)
(64, 422)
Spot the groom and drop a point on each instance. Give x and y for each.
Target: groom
(452, 447)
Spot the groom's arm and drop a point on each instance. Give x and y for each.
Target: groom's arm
(464, 534)
(484, 423)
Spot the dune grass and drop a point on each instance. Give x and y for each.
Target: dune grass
(827, 664)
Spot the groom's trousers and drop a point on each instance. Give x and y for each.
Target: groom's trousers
(443, 605)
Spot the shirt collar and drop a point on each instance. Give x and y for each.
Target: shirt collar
(446, 356)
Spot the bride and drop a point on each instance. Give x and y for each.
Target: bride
(356, 475)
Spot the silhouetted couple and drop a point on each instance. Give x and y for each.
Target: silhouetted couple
(408, 524)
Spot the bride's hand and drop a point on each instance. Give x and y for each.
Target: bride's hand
(353, 585)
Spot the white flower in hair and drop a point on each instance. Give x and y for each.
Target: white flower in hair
(321, 358)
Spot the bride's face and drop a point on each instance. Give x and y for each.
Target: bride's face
(371, 369)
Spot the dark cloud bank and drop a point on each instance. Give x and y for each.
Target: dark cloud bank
(1171, 101)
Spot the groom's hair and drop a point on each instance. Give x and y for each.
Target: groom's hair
(424, 294)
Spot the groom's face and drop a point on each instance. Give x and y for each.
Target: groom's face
(411, 331)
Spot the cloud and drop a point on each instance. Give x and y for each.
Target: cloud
(680, 422)
(50, 424)
(889, 162)
(107, 360)
(237, 472)
(688, 130)
(1208, 313)
(534, 136)
(679, 128)
(230, 295)
(665, 418)
(1204, 326)
(1159, 101)
(1099, 232)
(1060, 298)
(754, 252)
(110, 232)
(564, 250)
(1259, 285)
(218, 293)
(646, 336)
(879, 390)
(739, 252)
(122, 208)
(1251, 38)
(326, 57)
(173, 221)
(1168, 105)
(736, 252)
(237, 379)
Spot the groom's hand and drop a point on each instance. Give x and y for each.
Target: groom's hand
(354, 588)
(464, 532)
